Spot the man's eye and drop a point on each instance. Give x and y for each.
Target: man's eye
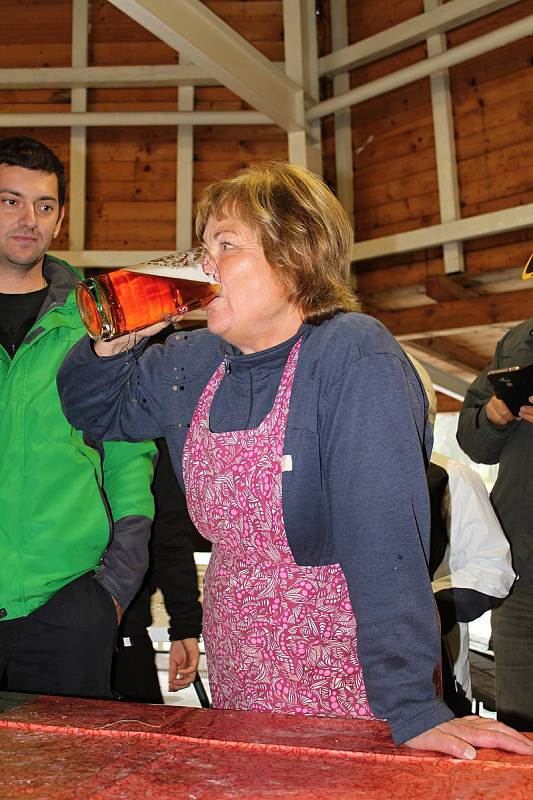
(9, 201)
(47, 209)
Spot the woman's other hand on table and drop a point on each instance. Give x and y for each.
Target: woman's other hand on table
(460, 737)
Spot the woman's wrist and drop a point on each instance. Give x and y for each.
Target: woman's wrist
(114, 346)
(129, 340)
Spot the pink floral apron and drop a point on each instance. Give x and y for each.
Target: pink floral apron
(278, 637)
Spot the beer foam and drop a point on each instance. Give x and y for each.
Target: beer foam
(176, 265)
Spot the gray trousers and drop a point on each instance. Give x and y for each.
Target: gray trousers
(512, 633)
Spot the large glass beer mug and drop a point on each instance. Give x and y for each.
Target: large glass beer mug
(126, 300)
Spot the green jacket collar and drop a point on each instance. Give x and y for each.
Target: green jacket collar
(62, 279)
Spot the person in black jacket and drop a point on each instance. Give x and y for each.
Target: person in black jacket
(172, 569)
(489, 433)
(470, 560)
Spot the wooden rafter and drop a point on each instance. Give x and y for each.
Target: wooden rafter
(446, 158)
(450, 353)
(192, 29)
(510, 219)
(104, 77)
(416, 29)
(442, 288)
(425, 68)
(455, 316)
(78, 134)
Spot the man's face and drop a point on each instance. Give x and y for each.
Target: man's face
(30, 216)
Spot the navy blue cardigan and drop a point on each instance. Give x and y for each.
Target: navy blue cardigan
(357, 492)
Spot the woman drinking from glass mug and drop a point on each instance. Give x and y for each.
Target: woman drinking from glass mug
(298, 428)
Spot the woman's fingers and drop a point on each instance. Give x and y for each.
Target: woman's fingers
(485, 732)
(459, 738)
(442, 742)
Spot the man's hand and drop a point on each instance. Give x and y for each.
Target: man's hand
(183, 663)
(459, 738)
(498, 413)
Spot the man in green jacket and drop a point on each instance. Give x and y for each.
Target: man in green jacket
(75, 514)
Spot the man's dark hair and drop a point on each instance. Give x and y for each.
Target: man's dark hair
(22, 151)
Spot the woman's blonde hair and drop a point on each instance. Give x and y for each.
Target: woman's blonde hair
(304, 231)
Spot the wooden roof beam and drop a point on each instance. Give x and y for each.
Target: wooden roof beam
(105, 77)
(108, 119)
(193, 30)
(447, 352)
(450, 385)
(445, 152)
(424, 68)
(509, 219)
(414, 30)
(442, 378)
(344, 161)
(376, 281)
(300, 50)
(78, 134)
(457, 316)
(483, 277)
(442, 288)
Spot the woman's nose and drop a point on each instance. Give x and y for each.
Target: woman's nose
(209, 265)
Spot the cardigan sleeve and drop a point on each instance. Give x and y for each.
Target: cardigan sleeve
(374, 466)
(113, 398)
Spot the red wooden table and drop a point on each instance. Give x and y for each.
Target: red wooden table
(55, 748)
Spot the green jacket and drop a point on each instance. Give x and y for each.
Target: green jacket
(60, 494)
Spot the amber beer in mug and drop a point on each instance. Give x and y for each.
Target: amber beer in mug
(126, 300)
